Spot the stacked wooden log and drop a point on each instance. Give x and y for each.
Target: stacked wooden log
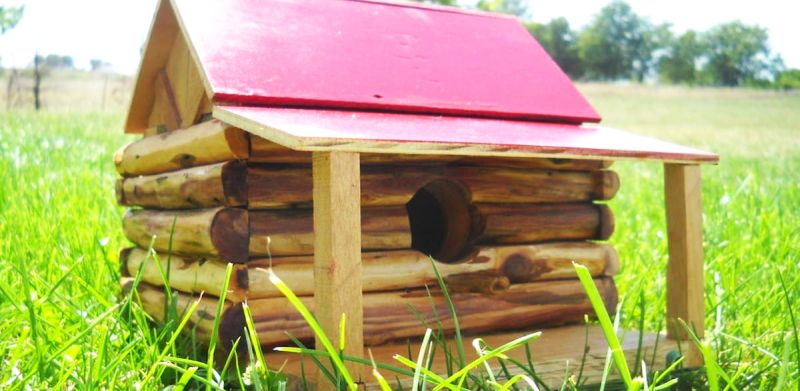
(504, 232)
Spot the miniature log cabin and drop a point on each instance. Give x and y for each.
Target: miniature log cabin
(344, 143)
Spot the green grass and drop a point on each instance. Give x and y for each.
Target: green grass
(64, 322)
(751, 220)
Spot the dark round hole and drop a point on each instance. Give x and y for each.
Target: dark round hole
(440, 219)
(427, 220)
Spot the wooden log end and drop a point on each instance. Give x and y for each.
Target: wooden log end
(126, 283)
(612, 261)
(607, 222)
(610, 294)
(230, 233)
(238, 142)
(607, 185)
(119, 158)
(119, 191)
(124, 255)
(231, 328)
(234, 183)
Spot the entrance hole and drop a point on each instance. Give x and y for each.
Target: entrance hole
(440, 217)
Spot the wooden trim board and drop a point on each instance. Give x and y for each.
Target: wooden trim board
(337, 249)
(557, 350)
(683, 191)
(320, 130)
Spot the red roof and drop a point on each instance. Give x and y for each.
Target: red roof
(382, 77)
(377, 55)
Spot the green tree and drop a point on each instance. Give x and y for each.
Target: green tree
(788, 79)
(620, 44)
(561, 42)
(453, 3)
(738, 54)
(680, 63)
(518, 8)
(9, 17)
(647, 54)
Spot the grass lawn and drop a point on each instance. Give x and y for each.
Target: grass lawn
(62, 323)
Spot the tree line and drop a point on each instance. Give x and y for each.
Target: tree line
(619, 44)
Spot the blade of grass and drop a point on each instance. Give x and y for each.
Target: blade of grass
(185, 378)
(381, 380)
(461, 374)
(83, 333)
(713, 371)
(322, 353)
(458, 340)
(640, 341)
(605, 323)
(784, 369)
(212, 345)
(312, 322)
(193, 376)
(477, 345)
(420, 359)
(510, 383)
(428, 373)
(313, 357)
(792, 319)
(171, 342)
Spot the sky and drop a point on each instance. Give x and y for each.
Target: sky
(115, 30)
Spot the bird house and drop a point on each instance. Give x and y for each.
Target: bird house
(347, 143)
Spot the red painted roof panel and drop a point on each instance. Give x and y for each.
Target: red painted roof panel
(375, 55)
(312, 129)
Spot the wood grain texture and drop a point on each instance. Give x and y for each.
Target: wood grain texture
(277, 186)
(201, 144)
(685, 297)
(163, 31)
(337, 250)
(289, 186)
(217, 231)
(184, 78)
(165, 114)
(530, 223)
(238, 234)
(381, 271)
(420, 134)
(220, 184)
(290, 232)
(387, 316)
(191, 274)
(265, 151)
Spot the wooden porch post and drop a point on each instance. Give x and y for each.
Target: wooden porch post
(337, 251)
(685, 299)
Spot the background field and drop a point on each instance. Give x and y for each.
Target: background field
(60, 233)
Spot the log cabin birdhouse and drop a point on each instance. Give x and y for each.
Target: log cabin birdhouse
(346, 142)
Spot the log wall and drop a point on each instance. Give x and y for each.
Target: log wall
(382, 270)
(280, 186)
(505, 231)
(388, 315)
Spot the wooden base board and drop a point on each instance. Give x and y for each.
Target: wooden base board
(558, 352)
